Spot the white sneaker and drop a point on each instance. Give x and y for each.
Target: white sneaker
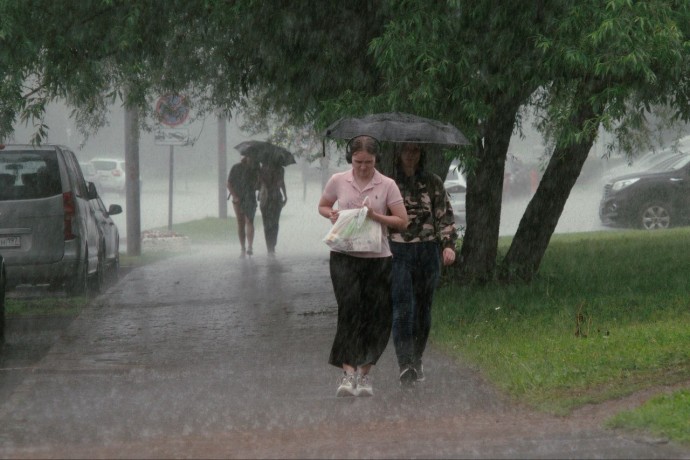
(347, 386)
(364, 387)
(408, 377)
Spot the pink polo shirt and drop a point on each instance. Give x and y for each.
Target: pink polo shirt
(382, 191)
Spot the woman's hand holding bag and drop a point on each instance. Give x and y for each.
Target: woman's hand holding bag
(355, 232)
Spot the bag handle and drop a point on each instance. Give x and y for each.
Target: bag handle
(363, 212)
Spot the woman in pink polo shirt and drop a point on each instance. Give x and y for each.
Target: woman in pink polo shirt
(362, 280)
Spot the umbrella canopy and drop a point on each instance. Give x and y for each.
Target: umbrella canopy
(397, 127)
(265, 152)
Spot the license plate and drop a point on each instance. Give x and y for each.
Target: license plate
(10, 242)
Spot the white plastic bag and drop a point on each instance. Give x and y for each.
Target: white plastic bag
(354, 232)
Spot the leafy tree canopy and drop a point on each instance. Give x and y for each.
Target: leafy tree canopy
(474, 63)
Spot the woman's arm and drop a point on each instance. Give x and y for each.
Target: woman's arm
(282, 187)
(233, 193)
(397, 219)
(326, 209)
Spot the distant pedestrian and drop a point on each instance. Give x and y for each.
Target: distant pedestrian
(361, 280)
(418, 252)
(272, 198)
(243, 182)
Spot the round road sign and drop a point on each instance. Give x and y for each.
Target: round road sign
(172, 109)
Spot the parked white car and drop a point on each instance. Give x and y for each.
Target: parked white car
(456, 187)
(90, 173)
(111, 174)
(111, 237)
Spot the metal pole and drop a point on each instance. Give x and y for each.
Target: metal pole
(222, 169)
(132, 192)
(170, 190)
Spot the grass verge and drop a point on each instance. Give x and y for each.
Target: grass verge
(609, 314)
(44, 306)
(664, 415)
(209, 229)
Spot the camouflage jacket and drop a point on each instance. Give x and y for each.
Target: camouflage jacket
(428, 209)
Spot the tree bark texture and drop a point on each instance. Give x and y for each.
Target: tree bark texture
(544, 209)
(484, 197)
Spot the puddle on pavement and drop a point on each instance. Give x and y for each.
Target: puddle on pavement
(27, 340)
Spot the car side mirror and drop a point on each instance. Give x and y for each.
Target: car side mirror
(114, 209)
(91, 191)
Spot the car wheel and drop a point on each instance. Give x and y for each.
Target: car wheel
(78, 284)
(2, 306)
(97, 280)
(655, 215)
(113, 271)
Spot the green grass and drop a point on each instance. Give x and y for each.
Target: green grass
(609, 314)
(625, 293)
(44, 306)
(209, 230)
(664, 415)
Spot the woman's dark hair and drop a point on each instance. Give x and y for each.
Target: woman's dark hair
(369, 144)
(422, 154)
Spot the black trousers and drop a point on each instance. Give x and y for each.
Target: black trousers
(362, 289)
(270, 217)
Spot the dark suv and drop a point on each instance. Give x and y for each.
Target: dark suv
(656, 198)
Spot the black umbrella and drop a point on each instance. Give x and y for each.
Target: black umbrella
(397, 127)
(265, 152)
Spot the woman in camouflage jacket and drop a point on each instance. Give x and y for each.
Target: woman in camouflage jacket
(418, 252)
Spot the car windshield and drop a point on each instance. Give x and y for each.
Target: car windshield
(676, 162)
(651, 160)
(28, 175)
(87, 168)
(104, 165)
(455, 188)
(454, 173)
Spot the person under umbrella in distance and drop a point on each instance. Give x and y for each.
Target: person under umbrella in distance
(418, 252)
(361, 280)
(272, 198)
(243, 181)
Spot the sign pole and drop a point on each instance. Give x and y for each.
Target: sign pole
(172, 109)
(132, 190)
(170, 189)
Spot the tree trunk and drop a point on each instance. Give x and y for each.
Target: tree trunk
(541, 216)
(484, 196)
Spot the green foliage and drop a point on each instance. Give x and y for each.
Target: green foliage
(44, 306)
(474, 63)
(607, 315)
(665, 415)
(210, 229)
(626, 56)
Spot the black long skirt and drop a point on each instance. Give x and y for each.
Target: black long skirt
(362, 289)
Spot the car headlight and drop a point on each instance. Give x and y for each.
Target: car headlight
(621, 184)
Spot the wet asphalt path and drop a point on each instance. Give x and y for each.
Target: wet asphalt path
(210, 356)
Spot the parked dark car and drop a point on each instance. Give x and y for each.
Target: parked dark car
(48, 231)
(110, 236)
(652, 199)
